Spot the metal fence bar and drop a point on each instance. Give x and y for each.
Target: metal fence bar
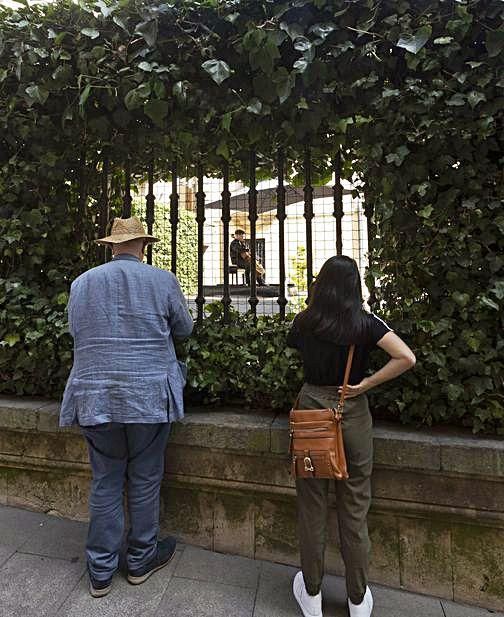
(281, 216)
(126, 211)
(226, 218)
(150, 200)
(174, 217)
(104, 210)
(252, 205)
(200, 220)
(338, 202)
(308, 215)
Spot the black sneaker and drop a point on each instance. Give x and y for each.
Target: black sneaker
(164, 554)
(97, 588)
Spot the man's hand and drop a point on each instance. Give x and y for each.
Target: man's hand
(360, 388)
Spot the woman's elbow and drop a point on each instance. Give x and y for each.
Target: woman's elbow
(410, 360)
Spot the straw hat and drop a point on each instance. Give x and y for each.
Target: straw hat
(126, 229)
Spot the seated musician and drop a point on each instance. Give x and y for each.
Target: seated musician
(240, 257)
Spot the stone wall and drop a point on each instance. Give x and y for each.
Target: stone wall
(437, 520)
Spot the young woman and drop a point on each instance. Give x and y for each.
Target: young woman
(333, 320)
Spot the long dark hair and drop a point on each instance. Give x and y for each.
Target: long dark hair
(335, 301)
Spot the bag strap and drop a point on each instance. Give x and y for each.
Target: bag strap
(348, 368)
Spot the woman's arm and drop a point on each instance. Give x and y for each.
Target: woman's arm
(401, 359)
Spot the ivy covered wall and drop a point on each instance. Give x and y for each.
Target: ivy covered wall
(411, 91)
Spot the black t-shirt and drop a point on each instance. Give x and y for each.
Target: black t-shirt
(235, 249)
(324, 361)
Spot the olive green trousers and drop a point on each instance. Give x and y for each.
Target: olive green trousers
(353, 497)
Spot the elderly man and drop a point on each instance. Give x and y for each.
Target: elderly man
(125, 388)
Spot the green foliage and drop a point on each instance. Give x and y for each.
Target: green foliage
(298, 269)
(244, 359)
(412, 91)
(187, 245)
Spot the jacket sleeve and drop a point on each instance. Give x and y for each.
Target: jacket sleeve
(181, 321)
(70, 311)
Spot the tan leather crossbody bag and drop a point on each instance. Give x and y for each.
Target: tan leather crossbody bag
(316, 437)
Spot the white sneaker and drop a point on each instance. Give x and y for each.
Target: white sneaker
(310, 605)
(365, 608)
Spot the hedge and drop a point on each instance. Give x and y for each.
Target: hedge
(409, 93)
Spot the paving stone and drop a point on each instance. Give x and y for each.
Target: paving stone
(33, 586)
(459, 610)
(57, 537)
(124, 599)
(274, 595)
(17, 525)
(393, 603)
(202, 565)
(6, 551)
(190, 598)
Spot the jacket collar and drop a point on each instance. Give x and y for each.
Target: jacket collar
(125, 256)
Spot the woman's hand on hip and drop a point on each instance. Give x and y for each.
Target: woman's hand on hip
(358, 389)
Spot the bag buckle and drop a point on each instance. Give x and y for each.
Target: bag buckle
(308, 466)
(338, 412)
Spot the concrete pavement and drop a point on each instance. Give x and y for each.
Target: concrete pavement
(42, 574)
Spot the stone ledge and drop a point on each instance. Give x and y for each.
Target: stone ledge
(453, 452)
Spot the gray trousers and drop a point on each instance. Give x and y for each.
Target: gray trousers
(353, 497)
(122, 455)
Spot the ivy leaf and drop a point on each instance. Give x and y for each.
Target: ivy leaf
(494, 42)
(398, 156)
(475, 97)
(157, 111)
(11, 339)
(457, 100)
(485, 301)
(426, 212)
(120, 22)
(498, 290)
(300, 65)
(454, 391)
(226, 121)
(462, 299)
(38, 94)
(90, 32)
(149, 31)
(179, 90)
(323, 30)
(255, 106)
(146, 66)
(106, 11)
(222, 149)
(302, 44)
(84, 95)
(414, 42)
(135, 98)
(218, 70)
(294, 30)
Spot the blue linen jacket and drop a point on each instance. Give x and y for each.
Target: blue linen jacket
(123, 316)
